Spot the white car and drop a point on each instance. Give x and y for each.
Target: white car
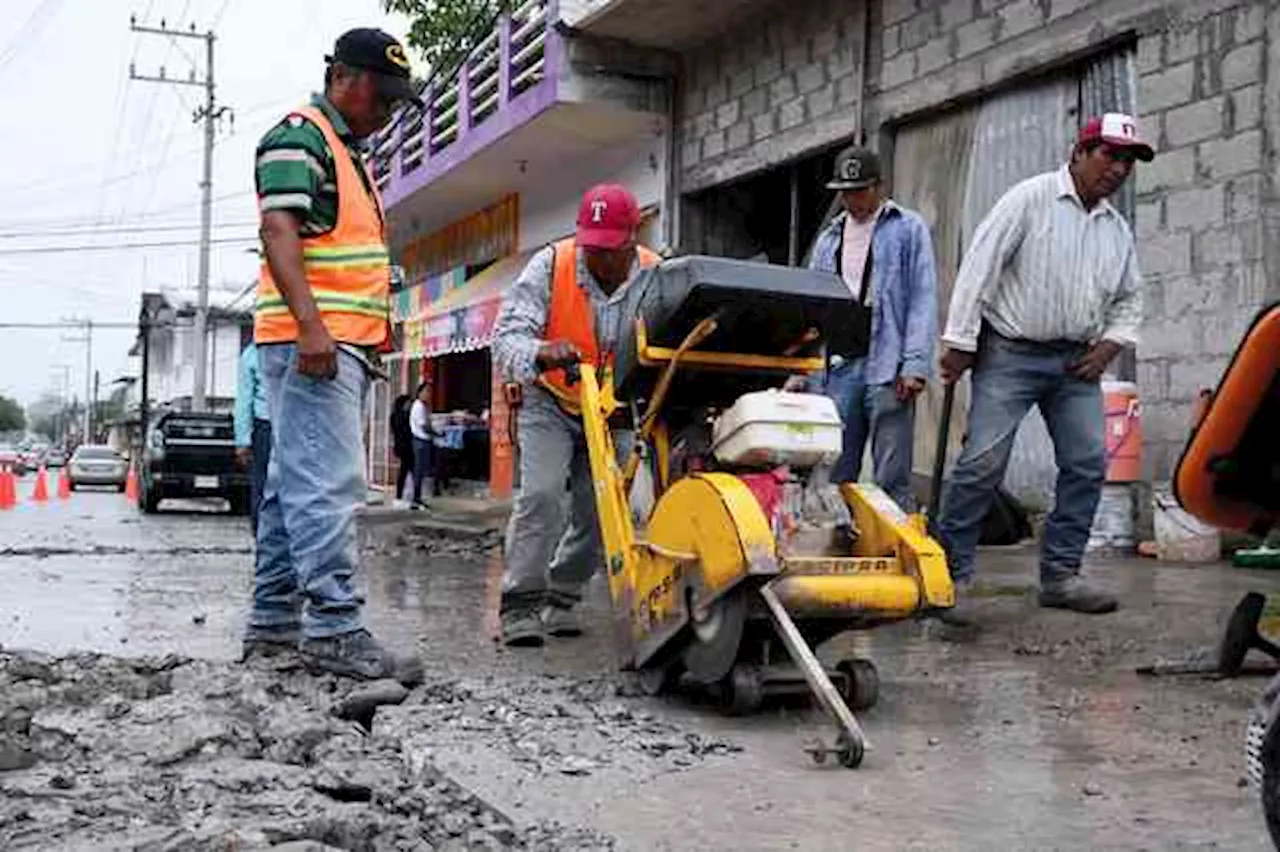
(94, 464)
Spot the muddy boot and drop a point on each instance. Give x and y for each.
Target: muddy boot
(263, 643)
(562, 621)
(964, 614)
(358, 655)
(522, 628)
(1077, 595)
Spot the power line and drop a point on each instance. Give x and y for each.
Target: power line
(34, 22)
(154, 213)
(125, 246)
(136, 229)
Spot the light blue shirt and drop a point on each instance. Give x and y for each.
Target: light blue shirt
(251, 396)
(904, 282)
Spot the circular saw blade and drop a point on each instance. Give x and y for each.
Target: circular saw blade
(715, 638)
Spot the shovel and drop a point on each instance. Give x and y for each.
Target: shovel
(940, 461)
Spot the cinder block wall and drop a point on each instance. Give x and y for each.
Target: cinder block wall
(812, 73)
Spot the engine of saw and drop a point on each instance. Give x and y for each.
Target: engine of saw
(747, 557)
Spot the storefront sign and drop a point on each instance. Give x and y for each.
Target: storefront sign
(484, 236)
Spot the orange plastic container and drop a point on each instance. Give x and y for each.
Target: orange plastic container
(1123, 431)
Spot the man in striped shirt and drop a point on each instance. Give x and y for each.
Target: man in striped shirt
(1048, 294)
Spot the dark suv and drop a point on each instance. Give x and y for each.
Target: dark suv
(191, 455)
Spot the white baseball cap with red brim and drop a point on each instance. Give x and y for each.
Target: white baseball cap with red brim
(1119, 131)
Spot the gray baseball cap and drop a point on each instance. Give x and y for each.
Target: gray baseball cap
(856, 168)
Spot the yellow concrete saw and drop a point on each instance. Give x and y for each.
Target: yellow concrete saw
(721, 583)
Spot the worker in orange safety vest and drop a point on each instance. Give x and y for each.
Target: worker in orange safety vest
(562, 310)
(322, 317)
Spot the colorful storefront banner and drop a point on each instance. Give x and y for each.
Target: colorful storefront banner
(462, 319)
(482, 237)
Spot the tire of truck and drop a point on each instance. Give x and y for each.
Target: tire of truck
(149, 501)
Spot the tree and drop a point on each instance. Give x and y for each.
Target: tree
(12, 417)
(445, 31)
(46, 416)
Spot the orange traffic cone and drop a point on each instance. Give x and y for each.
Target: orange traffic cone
(8, 491)
(64, 484)
(131, 485)
(41, 494)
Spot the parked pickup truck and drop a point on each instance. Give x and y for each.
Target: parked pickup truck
(191, 455)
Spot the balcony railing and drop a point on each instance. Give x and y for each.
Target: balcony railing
(505, 64)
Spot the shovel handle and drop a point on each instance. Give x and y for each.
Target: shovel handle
(940, 456)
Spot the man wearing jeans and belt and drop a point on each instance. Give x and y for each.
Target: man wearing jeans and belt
(884, 254)
(1048, 294)
(322, 316)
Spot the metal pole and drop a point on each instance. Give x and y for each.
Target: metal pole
(793, 224)
(94, 407)
(206, 215)
(88, 378)
(143, 408)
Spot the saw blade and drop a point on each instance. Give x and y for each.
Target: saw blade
(715, 638)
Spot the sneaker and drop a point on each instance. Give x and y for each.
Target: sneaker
(418, 507)
(261, 642)
(965, 612)
(561, 621)
(358, 655)
(1077, 595)
(522, 628)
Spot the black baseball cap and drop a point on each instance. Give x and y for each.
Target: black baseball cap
(378, 52)
(856, 168)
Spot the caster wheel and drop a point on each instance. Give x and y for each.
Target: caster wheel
(658, 680)
(745, 691)
(861, 684)
(850, 751)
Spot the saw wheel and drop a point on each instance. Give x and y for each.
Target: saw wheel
(714, 639)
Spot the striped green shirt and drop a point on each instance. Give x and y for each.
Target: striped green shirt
(295, 170)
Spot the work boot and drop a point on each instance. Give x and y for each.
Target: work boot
(561, 621)
(358, 655)
(965, 612)
(1077, 595)
(264, 642)
(522, 628)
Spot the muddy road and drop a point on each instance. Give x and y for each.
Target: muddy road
(126, 724)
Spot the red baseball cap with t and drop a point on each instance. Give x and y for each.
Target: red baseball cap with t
(1118, 130)
(608, 218)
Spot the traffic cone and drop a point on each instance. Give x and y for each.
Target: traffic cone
(41, 494)
(131, 485)
(8, 492)
(64, 485)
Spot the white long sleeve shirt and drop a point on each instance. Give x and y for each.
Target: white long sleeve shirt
(1042, 267)
(419, 420)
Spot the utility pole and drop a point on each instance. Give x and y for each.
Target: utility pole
(210, 113)
(94, 406)
(87, 340)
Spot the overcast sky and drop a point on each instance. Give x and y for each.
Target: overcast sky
(92, 158)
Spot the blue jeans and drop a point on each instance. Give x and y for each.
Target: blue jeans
(875, 412)
(258, 470)
(423, 451)
(315, 480)
(1009, 378)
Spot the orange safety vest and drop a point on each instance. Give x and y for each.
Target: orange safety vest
(348, 268)
(570, 318)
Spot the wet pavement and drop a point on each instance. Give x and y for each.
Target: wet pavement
(1038, 735)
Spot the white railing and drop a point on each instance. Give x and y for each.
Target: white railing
(507, 62)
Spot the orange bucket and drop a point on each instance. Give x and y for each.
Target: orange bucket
(1123, 431)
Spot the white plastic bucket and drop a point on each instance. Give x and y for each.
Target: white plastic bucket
(1181, 537)
(1113, 525)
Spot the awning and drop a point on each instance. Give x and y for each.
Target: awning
(462, 319)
